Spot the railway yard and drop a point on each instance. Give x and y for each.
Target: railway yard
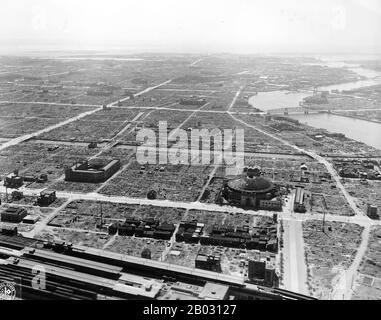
(58, 115)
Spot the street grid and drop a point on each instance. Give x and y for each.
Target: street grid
(296, 269)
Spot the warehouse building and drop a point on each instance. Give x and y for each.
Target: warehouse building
(299, 201)
(208, 262)
(93, 171)
(13, 214)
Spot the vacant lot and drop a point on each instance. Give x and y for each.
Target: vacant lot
(328, 252)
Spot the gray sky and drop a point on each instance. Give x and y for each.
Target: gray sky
(192, 25)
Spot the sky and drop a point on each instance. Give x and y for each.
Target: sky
(202, 26)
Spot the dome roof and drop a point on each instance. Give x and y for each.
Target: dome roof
(255, 184)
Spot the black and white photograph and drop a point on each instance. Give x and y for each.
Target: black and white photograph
(182, 157)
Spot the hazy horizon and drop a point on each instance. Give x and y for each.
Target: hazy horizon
(239, 26)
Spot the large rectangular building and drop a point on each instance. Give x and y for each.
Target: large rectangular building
(13, 181)
(257, 269)
(208, 262)
(299, 205)
(13, 214)
(93, 171)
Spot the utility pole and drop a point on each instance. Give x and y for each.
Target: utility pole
(101, 224)
(324, 221)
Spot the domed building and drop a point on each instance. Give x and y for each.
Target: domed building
(249, 190)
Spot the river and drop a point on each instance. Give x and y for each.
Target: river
(356, 129)
(360, 130)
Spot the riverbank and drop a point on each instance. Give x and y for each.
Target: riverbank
(353, 127)
(355, 117)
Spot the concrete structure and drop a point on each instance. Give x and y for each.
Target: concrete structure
(299, 205)
(17, 195)
(262, 271)
(13, 214)
(46, 198)
(92, 171)
(257, 269)
(9, 231)
(270, 205)
(13, 181)
(269, 275)
(372, 212)
(29, 219)
(250, 190)
(208, 262)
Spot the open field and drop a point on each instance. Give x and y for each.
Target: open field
(172, 182)
(97, 127)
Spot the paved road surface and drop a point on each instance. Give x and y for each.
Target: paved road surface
(23, 138)
(315, 156)
(343, 287)
(295, 268)
(293, 253)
